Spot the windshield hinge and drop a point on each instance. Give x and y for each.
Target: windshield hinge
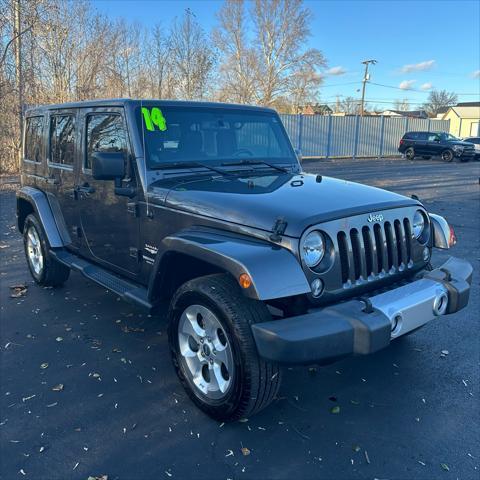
(278, 229)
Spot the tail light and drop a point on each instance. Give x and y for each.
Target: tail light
(453, 238)
(401, 141)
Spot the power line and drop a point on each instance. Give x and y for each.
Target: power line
(340, 84)
(415, 89)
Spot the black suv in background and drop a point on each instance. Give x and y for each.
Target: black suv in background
(428, 144)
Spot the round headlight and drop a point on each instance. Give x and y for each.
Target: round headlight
(418, 223)
(313, 249)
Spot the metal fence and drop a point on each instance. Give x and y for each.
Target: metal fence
(353, 136)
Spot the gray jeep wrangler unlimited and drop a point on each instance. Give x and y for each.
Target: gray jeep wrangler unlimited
(205, 206)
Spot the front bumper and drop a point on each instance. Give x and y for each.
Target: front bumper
(367, 325)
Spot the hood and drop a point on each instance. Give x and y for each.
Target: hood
(460, 142)
(258, 201)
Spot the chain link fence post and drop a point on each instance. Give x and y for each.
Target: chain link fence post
(329, 136)
(355, 145)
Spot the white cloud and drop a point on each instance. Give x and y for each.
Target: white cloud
(426, 86)
(418, 67)
(336, 71)
(406, 84)
(476, 74)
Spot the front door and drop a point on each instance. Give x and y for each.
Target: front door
(109, 225)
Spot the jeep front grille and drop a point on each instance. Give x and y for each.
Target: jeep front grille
(375, 250)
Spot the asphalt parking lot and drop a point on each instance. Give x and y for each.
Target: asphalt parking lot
(409, 411)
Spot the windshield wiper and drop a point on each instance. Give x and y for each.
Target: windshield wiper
(254, 162)
(173, 165)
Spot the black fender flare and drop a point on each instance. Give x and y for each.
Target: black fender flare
(274, 270)
(47, 212)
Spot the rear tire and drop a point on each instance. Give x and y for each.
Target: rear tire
(45, 270)
(447, 156)
(410, 153)
(213, 350)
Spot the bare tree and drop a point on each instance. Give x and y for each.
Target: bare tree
(239, 66)
(402, 105)
(160, 78)
(438, 99)
(282, 28)
(193, 58)
(349, 106)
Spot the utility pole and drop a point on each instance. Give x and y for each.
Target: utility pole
(366, 77)
(17, 33)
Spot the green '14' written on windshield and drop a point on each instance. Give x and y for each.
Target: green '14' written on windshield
(154, 117)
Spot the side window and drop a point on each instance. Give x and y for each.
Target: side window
(62, 134)
(105, 133)
(34, 139)
(433, 137)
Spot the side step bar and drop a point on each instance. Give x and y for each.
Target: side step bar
(123, 288)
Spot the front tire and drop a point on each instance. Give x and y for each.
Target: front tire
(213, 349)
(410, 153)
(447, 156)
(45, 270)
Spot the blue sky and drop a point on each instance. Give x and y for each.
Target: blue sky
(418, 44)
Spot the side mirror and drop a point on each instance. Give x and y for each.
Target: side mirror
(298, 152)
(108, 165)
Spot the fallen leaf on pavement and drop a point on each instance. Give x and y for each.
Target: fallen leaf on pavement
(18, 291)
(445, 467)
(101, 477)
(245, 451)
(58, 388)
(335, 409)
(127, 329)
(44, 365)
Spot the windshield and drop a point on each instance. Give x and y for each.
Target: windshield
(449, 137)
(211, 135)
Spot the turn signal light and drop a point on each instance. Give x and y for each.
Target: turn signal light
(244, 280)
(453, 238)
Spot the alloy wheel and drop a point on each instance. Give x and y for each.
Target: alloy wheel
(447, 156)
(34, 250)
(205, 352)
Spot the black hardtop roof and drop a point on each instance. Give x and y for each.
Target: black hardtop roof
(122, 102)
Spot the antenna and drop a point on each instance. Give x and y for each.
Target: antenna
(145, 177)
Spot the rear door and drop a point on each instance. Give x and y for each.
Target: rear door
(109, 225)
(435, 144)
(61, 169)
(420, 140)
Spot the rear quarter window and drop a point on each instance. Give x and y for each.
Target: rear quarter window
(34, 139)
(62, 139)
